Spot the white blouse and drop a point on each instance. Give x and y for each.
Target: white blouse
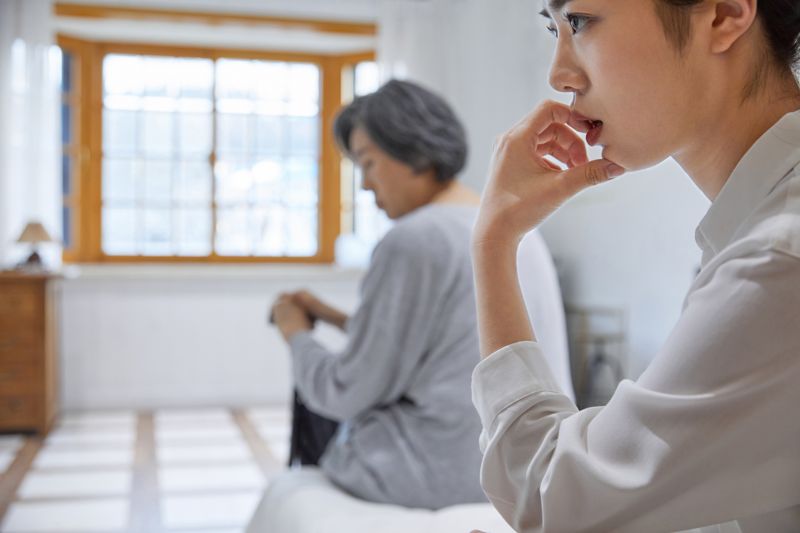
(709, 436)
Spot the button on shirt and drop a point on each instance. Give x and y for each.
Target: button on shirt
(708, 438)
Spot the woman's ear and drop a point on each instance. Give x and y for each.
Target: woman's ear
(732, 19)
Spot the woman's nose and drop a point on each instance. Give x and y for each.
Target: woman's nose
(366, 183)
(565, 75)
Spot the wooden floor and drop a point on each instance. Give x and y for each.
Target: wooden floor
(168, 471)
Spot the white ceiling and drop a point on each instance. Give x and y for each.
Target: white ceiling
(258, 37)
(350, 10)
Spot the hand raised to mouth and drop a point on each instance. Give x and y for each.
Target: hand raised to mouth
(525, 187)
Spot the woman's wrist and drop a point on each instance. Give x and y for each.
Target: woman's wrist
(488, 242)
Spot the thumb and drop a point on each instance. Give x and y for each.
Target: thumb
(591, 174)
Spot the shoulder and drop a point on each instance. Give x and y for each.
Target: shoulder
(776, 224)
(428, 231)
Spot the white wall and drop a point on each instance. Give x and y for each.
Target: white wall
(630, 245)
(183, 336)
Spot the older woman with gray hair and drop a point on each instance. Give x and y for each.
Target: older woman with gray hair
(389, 419)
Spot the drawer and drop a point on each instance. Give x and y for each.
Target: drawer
(21, 345)
(19, 412)
(21, 301)
(20, 378)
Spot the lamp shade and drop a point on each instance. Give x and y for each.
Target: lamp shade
(34, 232)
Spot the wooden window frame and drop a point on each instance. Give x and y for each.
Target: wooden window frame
(87, 176)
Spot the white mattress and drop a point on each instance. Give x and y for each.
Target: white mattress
(304, 501)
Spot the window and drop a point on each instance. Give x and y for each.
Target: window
(205, 157)
(200, 155)
(70, 108)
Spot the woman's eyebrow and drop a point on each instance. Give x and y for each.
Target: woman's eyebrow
(557, 5)
(553, 6)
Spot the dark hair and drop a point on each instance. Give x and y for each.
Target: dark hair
(780, 20)
(411, 124)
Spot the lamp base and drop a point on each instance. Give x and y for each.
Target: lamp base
(34, 260)
(33, 264)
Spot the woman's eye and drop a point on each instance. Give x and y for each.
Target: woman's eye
(577, 22)
(553, 30)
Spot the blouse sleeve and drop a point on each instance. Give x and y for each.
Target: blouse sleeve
(708, 434)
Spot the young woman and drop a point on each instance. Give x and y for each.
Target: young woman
(709, 435)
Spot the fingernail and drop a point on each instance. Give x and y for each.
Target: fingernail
(614, 170)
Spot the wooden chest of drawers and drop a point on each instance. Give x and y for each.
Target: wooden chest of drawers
(28, 352)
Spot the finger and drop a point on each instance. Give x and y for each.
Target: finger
(593, 173)
(571, 156)
(545, 114)
(555, 151)
(568, 140)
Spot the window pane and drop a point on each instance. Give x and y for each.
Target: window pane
(269, 135)
(195, 134)
(66, 123)
(157, 134)
(158, 183)
(66, 175)
(302, 226)
(123, 75)
(272, 80)
(66, 221)
(196, 79)
(233, 231)
(235, 78)
(66, 72)
(232, 133)
(119, 231)
(157, 232)
(119, 132)
(119, 181)
(304, 83)
(304, 135)
(234, 181)
(160, 77)
(193, 231)
(301, 183)
(267, 181)
(193, 186)
(270, 226)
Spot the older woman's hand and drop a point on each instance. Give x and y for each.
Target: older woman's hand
(524, 187)
(289, 317)
(317, 309)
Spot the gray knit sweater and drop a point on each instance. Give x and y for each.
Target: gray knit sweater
(402, 384)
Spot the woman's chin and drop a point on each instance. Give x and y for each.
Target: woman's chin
(631, 160)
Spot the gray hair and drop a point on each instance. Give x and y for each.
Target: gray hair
(411, 124)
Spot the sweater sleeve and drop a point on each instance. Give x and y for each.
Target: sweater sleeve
(387, 336)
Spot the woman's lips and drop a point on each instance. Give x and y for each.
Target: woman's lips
(591, 127)
(593, 135)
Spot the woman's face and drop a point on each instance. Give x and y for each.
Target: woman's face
(614, 56)
(398, 188)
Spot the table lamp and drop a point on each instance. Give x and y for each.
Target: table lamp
(34, 234)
